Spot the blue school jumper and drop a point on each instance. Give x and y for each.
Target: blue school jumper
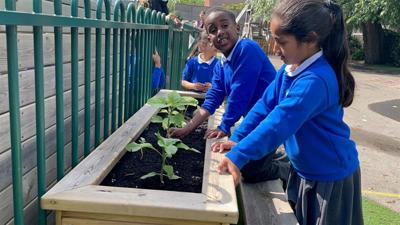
(304, 113)
(243, 76)
(158, 78)
(199, 71)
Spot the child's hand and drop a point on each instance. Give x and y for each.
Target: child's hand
(199, 87)
(157, 59)
(207, 86)
(222, 146)
(178, 132)
(226, 165)
(214, 133)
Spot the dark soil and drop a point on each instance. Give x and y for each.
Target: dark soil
(187, 164)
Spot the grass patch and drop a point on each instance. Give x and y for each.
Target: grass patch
(376, 214)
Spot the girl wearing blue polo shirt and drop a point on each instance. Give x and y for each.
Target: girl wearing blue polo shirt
(198, 71)
(303, 109)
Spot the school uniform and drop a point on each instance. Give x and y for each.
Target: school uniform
(158, 78)
(301, 109)
(242, 77)
(199, 71)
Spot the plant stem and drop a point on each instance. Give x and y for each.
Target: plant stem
(164, 157)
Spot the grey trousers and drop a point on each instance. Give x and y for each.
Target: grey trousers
(326, 203)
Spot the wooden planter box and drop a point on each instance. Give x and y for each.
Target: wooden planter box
(78, 199)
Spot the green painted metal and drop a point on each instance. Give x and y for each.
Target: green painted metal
(121, 76)
(15, 128)
(141, 56)
(132, 63)
(29, 19)
(59, 93)
(136, 31)
(97, 113)
(119, 15)
(88, 62)
(39, 100)
(127, 64)
(74, 87)
(107, 53)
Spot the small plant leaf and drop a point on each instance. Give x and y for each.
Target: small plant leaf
(165, 124)
(169, 170)
(177, 119)
(189, 101)
(156, 119)
(181, 107)
(163, 111)
(170, 150)
(133, 147)
(187, 148)
(151, 174)
(158, 102)
(182, 145)
(175, 112)
(173, 98)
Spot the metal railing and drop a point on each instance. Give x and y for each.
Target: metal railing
(135, 31)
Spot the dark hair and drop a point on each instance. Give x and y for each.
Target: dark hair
(302, 18)
(230, 14)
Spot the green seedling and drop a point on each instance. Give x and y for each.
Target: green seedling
(174, 106)
(169, 148)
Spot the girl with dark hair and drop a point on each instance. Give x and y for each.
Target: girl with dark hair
(303, 109)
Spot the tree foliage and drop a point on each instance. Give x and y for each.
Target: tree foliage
(385, 12)
(262, 8)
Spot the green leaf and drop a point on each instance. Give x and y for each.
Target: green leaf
(181, 107)
(156, 119)
(190, 101)
(151, 174)
(173, 98)
(177, 119)
(163, 111)
(165, 124)
(169, 170)
(133, 147)
(182, 145)
(175, 112)
(170, 150)
(158, 102)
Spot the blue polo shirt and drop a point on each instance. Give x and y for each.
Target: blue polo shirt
(243, 77)
(199, 71)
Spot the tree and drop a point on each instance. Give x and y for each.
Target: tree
(262, 8)
(371, 16)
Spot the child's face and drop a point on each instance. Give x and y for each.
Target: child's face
(205, 46)
(291, 51)
(222, 31)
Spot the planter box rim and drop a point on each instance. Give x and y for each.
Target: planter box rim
(79, 190)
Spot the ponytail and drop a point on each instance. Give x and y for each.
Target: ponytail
(298, 18)
(336, 51)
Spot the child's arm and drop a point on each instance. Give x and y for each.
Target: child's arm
(283, 121)
(244, 82)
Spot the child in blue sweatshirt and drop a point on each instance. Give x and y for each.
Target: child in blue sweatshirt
(242, 76)
(303, 108)
(198, 71)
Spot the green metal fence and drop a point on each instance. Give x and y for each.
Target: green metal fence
(135, 31)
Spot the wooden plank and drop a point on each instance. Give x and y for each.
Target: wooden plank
(101, 161)
(30, 180)
(29, 146)
(127, 218)
(79, 191)
(27, 83)
(218, 187)
(28, 126)
(137, 202)
(265, 203)
(26, 49)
